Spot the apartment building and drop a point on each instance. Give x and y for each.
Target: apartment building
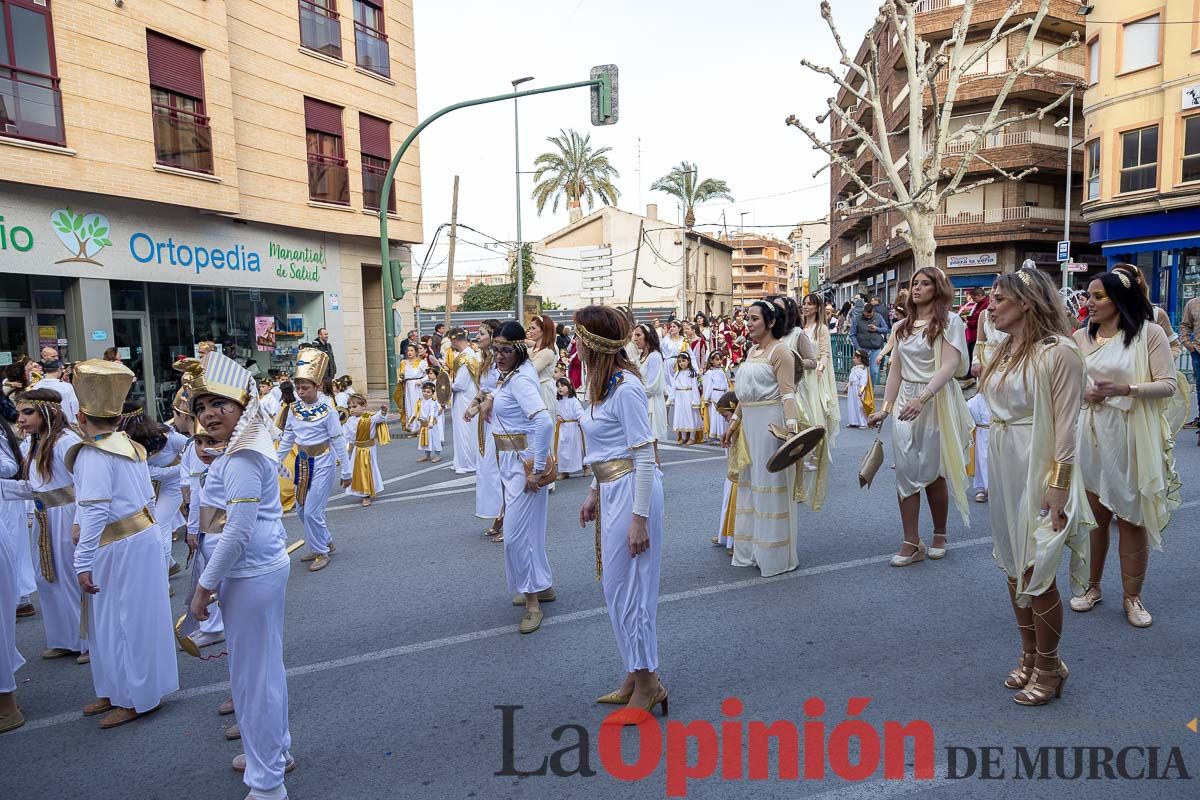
(1142, 142)
(761, 266)
(992, 228)
(810, 253)
(186, 170)
(433, 288)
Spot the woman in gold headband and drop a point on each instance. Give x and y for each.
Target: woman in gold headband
(45, 479)
(1125, 442)
(932, 429)
(625, 502)
(1033, 386)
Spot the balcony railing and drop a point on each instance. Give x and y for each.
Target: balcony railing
(862, 249)
(373, 177)
(31, 106)
(328, 179)
(992, 216)
(372, 49)
(846, 257)
(182, 139)
(984, 67)
(1004, 138)
(936, 5)
(320, 29)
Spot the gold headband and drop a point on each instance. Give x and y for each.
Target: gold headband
(1025, 279)
(1123, 278)
(137, 412)
(599, 343)
(51, 403)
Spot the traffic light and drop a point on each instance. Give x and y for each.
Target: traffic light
(396, 267)
(604, 96)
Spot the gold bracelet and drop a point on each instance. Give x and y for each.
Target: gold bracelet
(925, 396)
(1060, 475)
(1134, 389)
(887, 406)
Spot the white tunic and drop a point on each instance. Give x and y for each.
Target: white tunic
(13, 522)
(10, 657)
(568, 435)
(687, 403)
(855, 384)
(670, 349)
(715, 384)
(168, 490)
(368, 453)
(429, 411)
(413, 374)
(655, 379)
(129, 624)
(196, 472)
(489, 495)
(466, 435)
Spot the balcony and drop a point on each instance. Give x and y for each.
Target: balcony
(995, 216)
(320, 29)
(182, 139)
(925, 6)
(984, 68)
(373, 172)
(862, 249)
(1004, 138)
(328, 179)
(31, 106)
(372, 49)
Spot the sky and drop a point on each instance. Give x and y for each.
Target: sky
(708, 82)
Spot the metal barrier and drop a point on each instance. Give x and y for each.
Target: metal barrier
(843, 352)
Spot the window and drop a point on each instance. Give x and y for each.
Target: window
(30, 100)
(328, 178)
(1139, 159)
(1094, 61)
(1092, 179)
(376, 145)
(320, 27)
(182, 137)
(1140, 43)
(370, 42)
(1191, 149)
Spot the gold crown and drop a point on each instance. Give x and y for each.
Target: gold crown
(102, 387)
(222, 376)
(311, 365)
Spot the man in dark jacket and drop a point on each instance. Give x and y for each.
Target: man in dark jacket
(869, 333)
(322, 344)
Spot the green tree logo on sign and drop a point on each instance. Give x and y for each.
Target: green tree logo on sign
(84, 235)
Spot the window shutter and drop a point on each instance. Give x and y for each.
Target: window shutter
(323, 117)
(373, 137)
(175, 66)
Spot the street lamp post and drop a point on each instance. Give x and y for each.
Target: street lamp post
(517, 260)
(1070, 152)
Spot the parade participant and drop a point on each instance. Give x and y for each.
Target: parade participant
(523, 431)
(705, 332)
(697, 346)
(686, 421)
(654, 378)
(427, 424)
(569, 449)
(812, 312)
(671, 346)
(287, 486)
(412, 372)
(856, 386)
(163, 447)
(812, 480)
(13, 516)
(268, 403)
(765, 535)
(543, 354)
(197, 458)
(737, 327)
(45, 479)
(714, 386)
(11, 717)
(735, 458)
(1034, 387)
(987, 339)
(363, 431)
(626, 504)
(932, 430)
(342, 391)
(489, 494)
(464, 372)
(313, 426)
(978, 455)
(52, 379)
(118, 560)
(248, 569)
(1125, 442)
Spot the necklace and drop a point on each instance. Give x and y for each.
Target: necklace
(1103, 340)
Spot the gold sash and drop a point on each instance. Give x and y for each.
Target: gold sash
(607, 472)
(510, 442)
(125, 527)
(42, 501)
(212, 520)
(313, 450)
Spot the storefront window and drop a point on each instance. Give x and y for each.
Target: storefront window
(1189, 276)
(14, 292)
(127, 296)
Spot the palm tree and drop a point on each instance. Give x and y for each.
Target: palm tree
(576, 170)
(683, 184)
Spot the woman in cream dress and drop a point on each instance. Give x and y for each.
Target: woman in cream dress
(812, 312)
(932, 430)
(812, 477)
(1034, 386)
(412, 371)
(653, 378)
(765, 526)
(1125, 443)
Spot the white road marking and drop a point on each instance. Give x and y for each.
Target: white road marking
(490, 633)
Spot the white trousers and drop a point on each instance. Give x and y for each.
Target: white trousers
(983, 418)
(526, 565)
(215, 622)
(166, 513)
(312, 513)
(631, 583)
(253, 610)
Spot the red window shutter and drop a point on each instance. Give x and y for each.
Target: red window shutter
(175, 66)
(373, 137)
(323, 117)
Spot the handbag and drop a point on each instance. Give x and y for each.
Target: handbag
(871, 463)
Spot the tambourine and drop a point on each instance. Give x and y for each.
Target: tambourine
(795, 446)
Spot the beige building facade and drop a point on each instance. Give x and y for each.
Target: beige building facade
(178, 171)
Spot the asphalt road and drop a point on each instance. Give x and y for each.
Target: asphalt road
(400, 651)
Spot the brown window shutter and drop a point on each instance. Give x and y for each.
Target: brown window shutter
(174, 65)
(323, 117)
(373, 137)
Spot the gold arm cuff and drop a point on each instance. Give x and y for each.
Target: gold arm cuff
(888, 405)
(925, 396)
(1060, 475)
(1134, 389)
(236, 500)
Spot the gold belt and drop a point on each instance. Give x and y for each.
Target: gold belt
(55, 497)
(609, 471)
(754, 403)
(510, 442)
(313, 450)
(1005, 424)
(125, 527)
(212, 520)
(365, 443)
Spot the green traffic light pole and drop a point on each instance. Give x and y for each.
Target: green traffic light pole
(603, 82)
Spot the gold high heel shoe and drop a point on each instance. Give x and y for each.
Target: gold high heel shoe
(628, 716)
(1038, 693)
(1019, 677)
(615, 698)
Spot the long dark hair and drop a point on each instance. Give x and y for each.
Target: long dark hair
(818, 302)
(791, 309)
(778, 320)
(514, 333)
(287, 393)
(487, 357)
(41, 447)
(652, 342)
(604, 321)
(943, 294)
(1132, 306)
(567, 383)
(143, 430)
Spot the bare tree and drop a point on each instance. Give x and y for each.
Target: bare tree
(916, 185)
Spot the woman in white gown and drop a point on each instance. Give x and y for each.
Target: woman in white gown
(543, 355)
(412, 372)
(1034, 387)
(626, 504)
(671, 345)
(489, 494)
(932, 430)
(812, 477)
(1125, 440)
(654, 378)
(812, 312)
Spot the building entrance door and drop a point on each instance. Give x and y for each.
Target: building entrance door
(131, 334)
(14, 337)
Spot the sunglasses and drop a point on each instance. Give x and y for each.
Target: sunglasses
(504, 349)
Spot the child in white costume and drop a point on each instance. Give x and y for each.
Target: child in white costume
(427, 423)
(855, 385)
(715, 384)
(686, 420)
(983, 419)
(363, 432)
(568, 434)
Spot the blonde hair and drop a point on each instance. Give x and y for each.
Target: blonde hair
(1045, 317)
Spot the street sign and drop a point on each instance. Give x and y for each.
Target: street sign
(595, 252)
(596, 293)
(1075, 267)
(604, 96)
(597, 282)
(1064, 252)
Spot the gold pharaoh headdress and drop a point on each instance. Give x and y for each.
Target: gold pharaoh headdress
(220, 375)
(311, 365)
(102, 387)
